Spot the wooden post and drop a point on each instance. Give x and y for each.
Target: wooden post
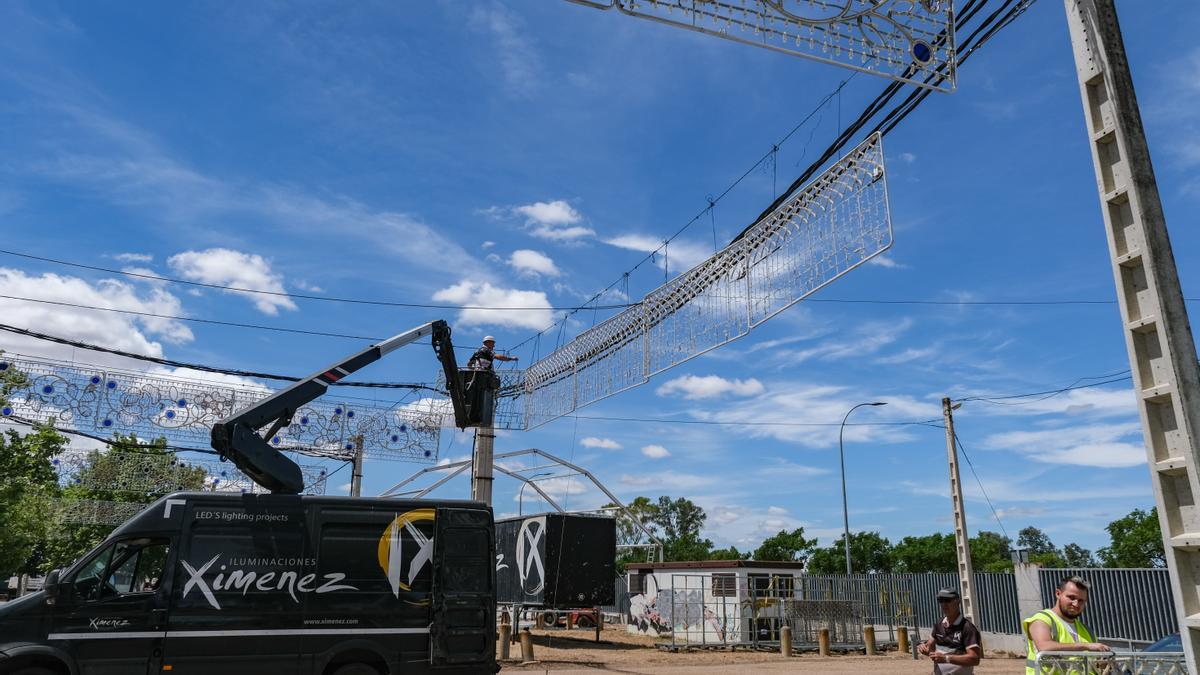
(570, 620)
(823, 642)
(869, 639)
(785, 640)
(902, 639)
(526, 645)
(505, 636)
(599, 623)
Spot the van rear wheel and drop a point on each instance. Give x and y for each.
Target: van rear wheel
(356, 669)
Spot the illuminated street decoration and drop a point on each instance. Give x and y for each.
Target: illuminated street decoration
(905, 40)
(832, 225)
(104, 401)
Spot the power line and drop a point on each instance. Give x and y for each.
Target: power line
(980, 483)
(215, 322)
(283, 294)
(967, 12)
(199, 366)
(1049, 393)
(668, 420)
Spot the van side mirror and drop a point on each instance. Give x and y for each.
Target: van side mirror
(50, 586)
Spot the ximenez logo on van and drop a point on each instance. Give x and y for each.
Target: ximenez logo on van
(238, 579)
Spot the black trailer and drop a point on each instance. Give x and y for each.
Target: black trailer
(247, 584)
(556, 560)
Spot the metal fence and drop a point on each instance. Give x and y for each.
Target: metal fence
(1124, 604)
(995, 598)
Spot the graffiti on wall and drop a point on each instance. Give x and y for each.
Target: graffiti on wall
(664, 611)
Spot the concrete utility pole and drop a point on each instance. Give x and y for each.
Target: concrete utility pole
(357, 470)
(1158, 335)
(481, 465)
(962, 540)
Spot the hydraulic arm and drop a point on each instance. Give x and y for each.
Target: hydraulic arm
(237, 437)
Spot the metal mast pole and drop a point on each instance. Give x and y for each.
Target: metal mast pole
(962, 541)
(1158, 336)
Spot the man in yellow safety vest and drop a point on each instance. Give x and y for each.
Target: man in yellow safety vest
(1058, 629)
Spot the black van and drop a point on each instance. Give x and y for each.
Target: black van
(241, 584)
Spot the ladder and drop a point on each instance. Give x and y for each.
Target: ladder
(1158, 336)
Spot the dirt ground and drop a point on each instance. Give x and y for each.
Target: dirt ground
(576, 651)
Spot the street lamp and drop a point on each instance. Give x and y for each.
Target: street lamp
(521, 492)
(842, 455)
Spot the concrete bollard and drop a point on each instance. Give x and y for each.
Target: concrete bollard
(902, 639)
(916, 639)
(505, 645)
(539, 622)
(570, 620)
(823, 642)
(785, 640)
(526, 645)
(869, 639)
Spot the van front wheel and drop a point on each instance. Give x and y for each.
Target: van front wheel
(356, 669)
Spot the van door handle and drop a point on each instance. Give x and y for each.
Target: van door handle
(158, 617)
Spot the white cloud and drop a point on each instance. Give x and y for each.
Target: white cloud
(907, 356)
(870, 338)
(533, 262)
(554, 214)
(908, 157)
(694, 387)
(225, 267)
(780, 511)
(518, 60)
(483, 294)
(555, 220)
(126, 332)
(487, 244)
(134, 257)
(655, 451)
(808, 414)
(678, 256)
(307, 287)
(606, 443)
(886, 262)
(1101, 445)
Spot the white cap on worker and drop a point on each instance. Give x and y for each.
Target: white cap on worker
(489, 338)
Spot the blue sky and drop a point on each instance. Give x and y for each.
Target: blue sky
(524, 153)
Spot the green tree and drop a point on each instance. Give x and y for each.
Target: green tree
(1075, 555)
(869, 552)
(27, 491)
(1041, 549)
(1136, 541)
(786, 546)
(103, 478)
(931, 553)
(628, 531)
(730, 553)
(990, 552)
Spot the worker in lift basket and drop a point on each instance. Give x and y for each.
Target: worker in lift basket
(483, 357)
(1058, 629)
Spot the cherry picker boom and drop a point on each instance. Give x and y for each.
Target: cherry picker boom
(237, 437)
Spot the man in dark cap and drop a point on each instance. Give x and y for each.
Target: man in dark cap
(954, 645)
